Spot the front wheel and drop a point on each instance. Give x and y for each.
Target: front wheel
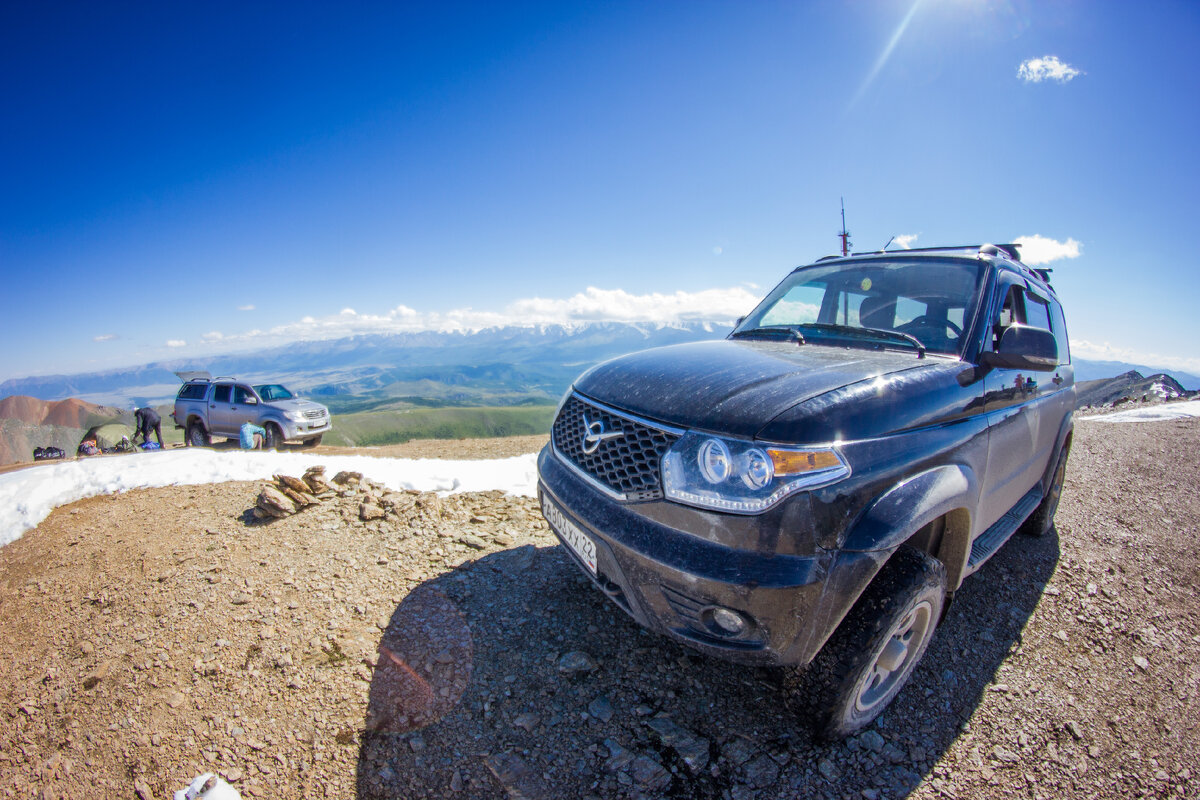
(874, 651)
(274, 438)
(197, 436)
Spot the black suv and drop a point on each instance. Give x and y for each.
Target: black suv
(815, 487)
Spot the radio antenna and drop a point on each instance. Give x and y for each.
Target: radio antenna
(845, 234)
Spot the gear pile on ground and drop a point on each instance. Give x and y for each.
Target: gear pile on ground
(320, 637)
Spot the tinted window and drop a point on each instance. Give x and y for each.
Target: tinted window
(1037, 314)
(1060, 334)
(221, 393)
(240, 393)
(192, 391)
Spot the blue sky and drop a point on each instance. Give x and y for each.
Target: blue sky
(181, 179)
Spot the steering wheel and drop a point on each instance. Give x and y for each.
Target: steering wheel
(926, 321)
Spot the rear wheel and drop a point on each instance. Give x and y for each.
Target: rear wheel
(1042, 519)
(197, 436)
(873, 653)
(274, 437)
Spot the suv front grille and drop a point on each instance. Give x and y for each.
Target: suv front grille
(624, 453)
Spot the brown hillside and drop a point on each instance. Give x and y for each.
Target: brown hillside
(25, 409)
(69, 413)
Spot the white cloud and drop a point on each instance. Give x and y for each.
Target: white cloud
(1081, 348)
(905, 240)
(104, 337)
(593, 305)
(1038, 249)
(213, 336)
(247, 307)
(1046, 68)
(176, 343)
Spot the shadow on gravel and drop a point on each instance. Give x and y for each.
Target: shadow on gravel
(512, 676)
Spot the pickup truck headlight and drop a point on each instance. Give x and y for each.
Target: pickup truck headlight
(298, 416)
(744, 477)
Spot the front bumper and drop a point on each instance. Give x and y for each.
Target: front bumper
(306, 429)
(669, 580)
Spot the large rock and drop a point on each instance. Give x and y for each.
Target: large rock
(275, 503)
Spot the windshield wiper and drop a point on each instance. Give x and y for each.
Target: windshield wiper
(773, 331)
(868, 333)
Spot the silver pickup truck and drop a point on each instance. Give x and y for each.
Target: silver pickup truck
(206, 407)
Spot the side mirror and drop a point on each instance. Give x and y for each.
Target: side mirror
(1022, 347)
(740, 320)
(251, 401)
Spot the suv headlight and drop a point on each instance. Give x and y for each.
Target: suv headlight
(297, 415)
(744, 477)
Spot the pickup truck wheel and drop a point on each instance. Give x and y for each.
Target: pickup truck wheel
(197, 436)
(274, 437)
(1042, 519)
(872, 654)
(314, 441)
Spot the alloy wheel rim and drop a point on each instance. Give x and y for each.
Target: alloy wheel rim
(895, 660)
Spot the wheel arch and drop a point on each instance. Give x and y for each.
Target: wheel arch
(928, 511)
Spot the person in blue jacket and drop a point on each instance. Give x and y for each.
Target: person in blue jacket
(252, 436)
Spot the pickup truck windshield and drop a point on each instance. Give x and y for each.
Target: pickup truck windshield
(930, 300)
(273, 391)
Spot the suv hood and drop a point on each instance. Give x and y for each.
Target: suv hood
(295, 404)
(733, 387)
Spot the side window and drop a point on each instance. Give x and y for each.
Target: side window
(240, 393)
(221, 393)
(1011, 312)
(192, 391)
(1037, 312)
(1060, 333)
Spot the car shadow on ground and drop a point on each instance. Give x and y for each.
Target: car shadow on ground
(511, 675)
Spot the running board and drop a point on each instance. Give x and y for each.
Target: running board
(990, 540)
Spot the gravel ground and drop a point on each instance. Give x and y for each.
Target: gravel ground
(448, 648)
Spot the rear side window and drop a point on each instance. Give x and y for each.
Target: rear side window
(1060, 334)
(221, 393)
(192, 391)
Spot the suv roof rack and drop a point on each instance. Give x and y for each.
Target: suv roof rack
(1010, 250)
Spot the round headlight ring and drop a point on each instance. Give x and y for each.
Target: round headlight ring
(714, 461)
(759, 469)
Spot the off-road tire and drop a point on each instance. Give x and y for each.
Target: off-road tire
(1042, 519)
(314, 441)
(890, 625)
(197, 436)
(274, 438)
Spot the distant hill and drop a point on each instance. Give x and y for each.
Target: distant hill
(1131, 386)
(497, 366)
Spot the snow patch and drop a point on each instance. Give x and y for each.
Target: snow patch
(1153, 414)
(27, 496)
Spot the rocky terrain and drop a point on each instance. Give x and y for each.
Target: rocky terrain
(380, 644)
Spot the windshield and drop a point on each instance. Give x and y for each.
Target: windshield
(930, 300)
(273, 391)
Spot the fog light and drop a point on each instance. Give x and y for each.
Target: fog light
(726, 622)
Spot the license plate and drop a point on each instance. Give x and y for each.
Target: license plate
(579, 542)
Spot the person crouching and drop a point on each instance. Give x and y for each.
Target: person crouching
(251, 436)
